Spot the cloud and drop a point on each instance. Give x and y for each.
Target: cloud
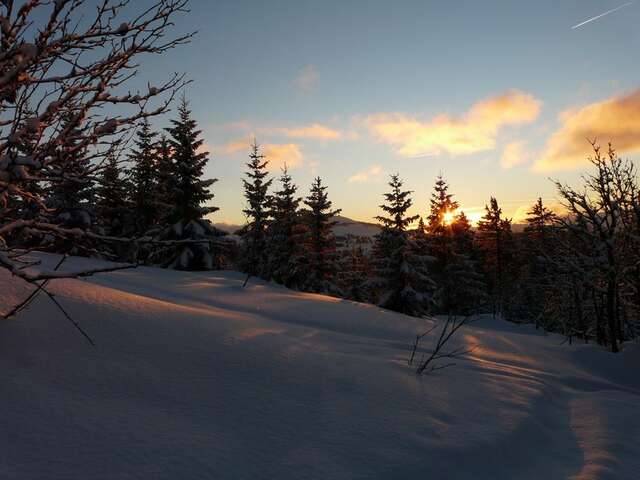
(314, 131)
(373, 173)
(514, 154)
(616, 120)
(277, 154)
(235, 146)
(307, 78)
(280, 154)
(475, 131)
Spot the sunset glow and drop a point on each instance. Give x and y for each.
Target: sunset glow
(329, 105)
(319, 239)
(448, 218)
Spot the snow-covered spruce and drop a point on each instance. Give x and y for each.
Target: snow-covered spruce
(284, 235)
(319, 262)
(257, 211)
(62, 118)
(402, 279)
(187, 192)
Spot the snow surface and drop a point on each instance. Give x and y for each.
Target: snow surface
(194, 377)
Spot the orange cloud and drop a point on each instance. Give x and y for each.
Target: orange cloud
(473, 132)
(240, 145)
(615, 120)
(514, 154)
(315, 131)
(279, 155)
(374, 172)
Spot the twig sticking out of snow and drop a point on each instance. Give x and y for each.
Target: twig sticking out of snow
(429, 363)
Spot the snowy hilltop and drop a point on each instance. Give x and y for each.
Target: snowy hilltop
(194, 376)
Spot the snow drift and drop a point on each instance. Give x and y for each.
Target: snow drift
(195, 377)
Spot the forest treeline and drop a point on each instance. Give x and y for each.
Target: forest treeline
(71, 183)
(577, 273)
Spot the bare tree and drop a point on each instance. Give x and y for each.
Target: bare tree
(64, 70)
(601, 245)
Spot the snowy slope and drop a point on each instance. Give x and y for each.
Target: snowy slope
(194, 377)
(347, 226)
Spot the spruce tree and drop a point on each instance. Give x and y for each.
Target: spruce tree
(355, 269)
(466, 290)
(421, 239)
(112, 208)
(165, 179)
(143, 178)
(28, 207)
(462, 234)
(536, 277)
(539, 221)
(284, 233)
(441, 205)
(321, 255)
(257, 212)
(188, 190)
(494, 239)
(200, 246)
(402, 276)
(439, 227)
(72, 190)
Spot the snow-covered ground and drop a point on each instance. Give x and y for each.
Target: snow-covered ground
(194, 377)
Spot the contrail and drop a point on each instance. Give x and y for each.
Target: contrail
(602, 15)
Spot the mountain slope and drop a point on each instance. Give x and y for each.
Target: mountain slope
(343, 226)
(195, 377)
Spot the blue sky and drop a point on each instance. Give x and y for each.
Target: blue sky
(496, 95)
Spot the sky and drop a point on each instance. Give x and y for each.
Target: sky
(498, 96)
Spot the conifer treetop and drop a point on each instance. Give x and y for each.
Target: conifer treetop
(441, 203)
(318, 201)
(492, 219)
(190, 191)
(539, 216)
(256, 188)
(396, 206)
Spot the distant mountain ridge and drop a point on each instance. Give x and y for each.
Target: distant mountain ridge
(349, 226)
(345, 226)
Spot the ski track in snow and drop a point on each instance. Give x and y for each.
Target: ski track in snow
(194, 377)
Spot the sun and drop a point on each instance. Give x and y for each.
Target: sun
(448, 218)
